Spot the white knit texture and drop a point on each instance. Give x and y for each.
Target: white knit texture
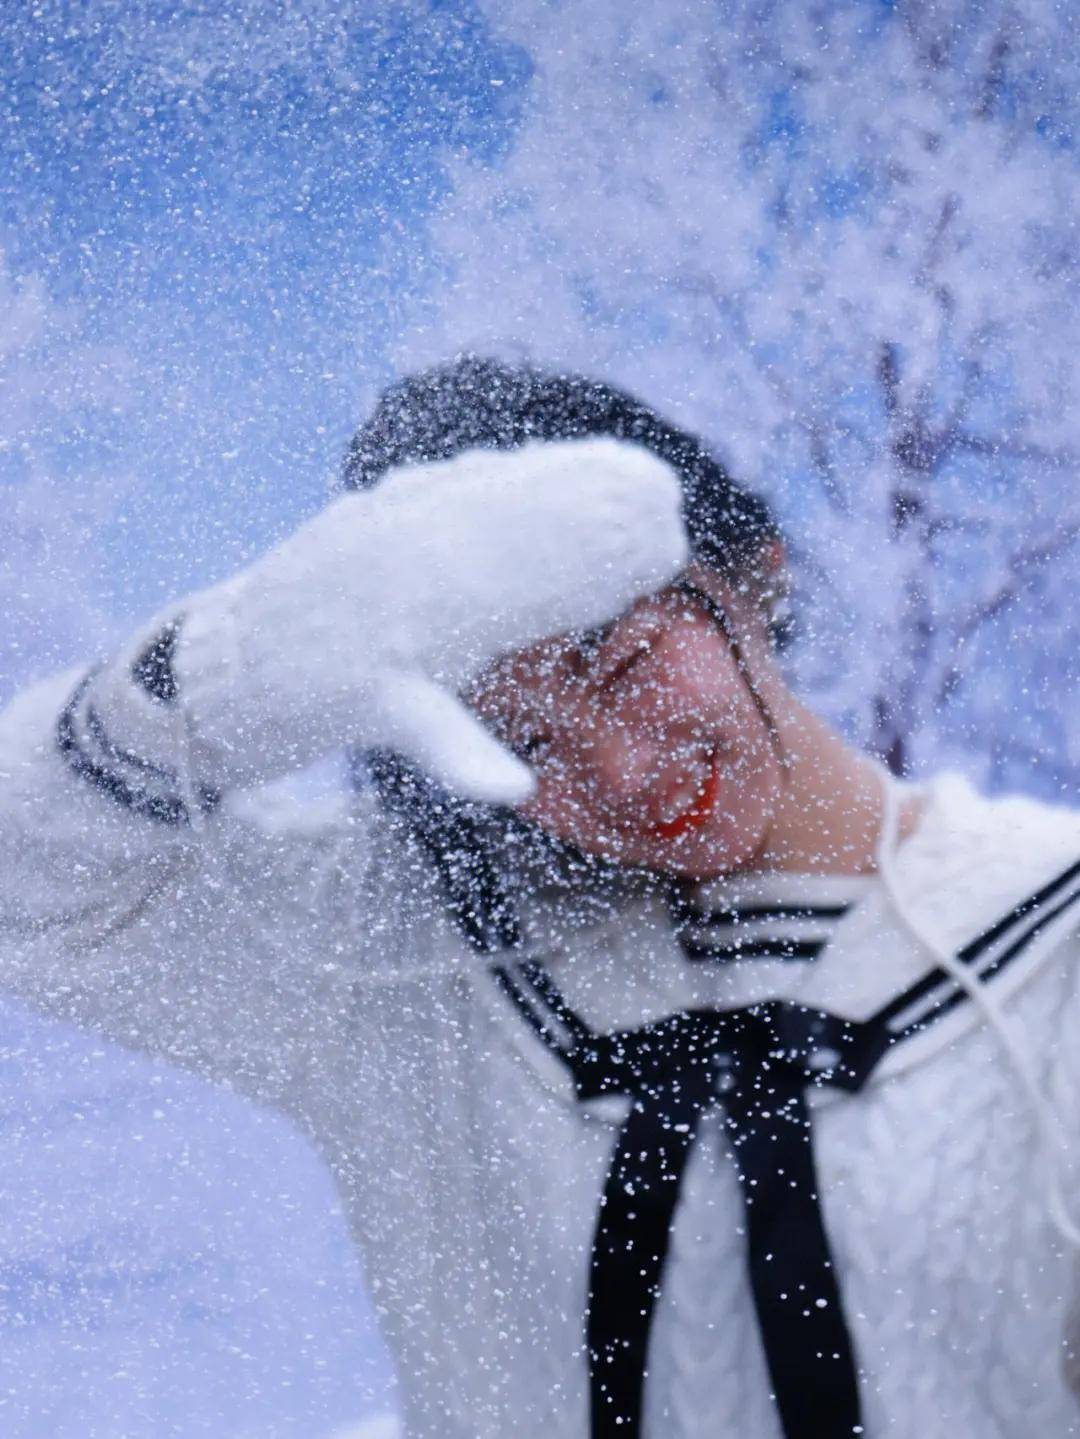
(310, 968)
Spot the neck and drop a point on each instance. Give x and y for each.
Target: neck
(830, 806)
(830, 801)
(829, 810)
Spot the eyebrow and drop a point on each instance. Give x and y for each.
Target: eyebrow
(588, 642)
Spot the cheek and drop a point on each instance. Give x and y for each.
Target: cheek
(690, 682)
(671, 719)
(614, 783)
(565, 801)
(749, 788)
(591, 773)
(737, 825)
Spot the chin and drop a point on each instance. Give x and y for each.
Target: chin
(699, 854)
(723, 838)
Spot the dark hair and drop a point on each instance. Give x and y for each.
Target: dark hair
(477, 402)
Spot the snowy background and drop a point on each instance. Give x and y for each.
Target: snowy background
(839, 239)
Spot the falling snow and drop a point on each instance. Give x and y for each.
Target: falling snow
(316, 1060)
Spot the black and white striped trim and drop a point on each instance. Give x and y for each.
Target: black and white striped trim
(754, 1065)
(986, 956)
(762, 1059)
(758, 931)
(140, 785)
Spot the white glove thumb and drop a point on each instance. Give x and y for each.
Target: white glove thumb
(434, 728)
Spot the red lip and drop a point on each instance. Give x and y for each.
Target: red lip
(698, 812)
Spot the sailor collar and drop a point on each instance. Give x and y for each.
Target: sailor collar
(992, 887)
(764, 1065)
(626, 949)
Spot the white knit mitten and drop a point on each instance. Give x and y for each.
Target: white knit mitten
(362, 626)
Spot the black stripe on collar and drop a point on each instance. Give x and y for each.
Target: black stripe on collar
(777, 948)
(937, 993)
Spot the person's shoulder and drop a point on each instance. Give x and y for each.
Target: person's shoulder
(975, 856)
(1011, 821)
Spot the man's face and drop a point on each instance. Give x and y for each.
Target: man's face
(647, 745)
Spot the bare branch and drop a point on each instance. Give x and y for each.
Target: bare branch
(950, 208)
(888, 372)
(812, 427)
(1009, 450)
(949, 432)
(1023, 566)
(994, 80)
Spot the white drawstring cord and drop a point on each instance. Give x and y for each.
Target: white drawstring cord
(1047, 1123)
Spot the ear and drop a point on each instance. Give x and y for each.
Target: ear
(774, 559)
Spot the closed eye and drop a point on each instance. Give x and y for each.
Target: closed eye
(531, 747)
(625, 665)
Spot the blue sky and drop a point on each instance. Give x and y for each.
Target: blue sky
(224, 206)
(223, 210)
(228, 209)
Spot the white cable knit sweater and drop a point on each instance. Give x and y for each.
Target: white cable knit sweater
(310, 966)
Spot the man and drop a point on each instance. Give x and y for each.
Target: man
(649, 1033)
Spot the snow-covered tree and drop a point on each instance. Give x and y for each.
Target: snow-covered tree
(840, 240)
(51, 380)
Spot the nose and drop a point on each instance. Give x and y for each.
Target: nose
(626, 765)
(657, 778)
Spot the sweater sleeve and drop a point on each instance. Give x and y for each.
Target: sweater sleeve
(137, 901)
(89, 829)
